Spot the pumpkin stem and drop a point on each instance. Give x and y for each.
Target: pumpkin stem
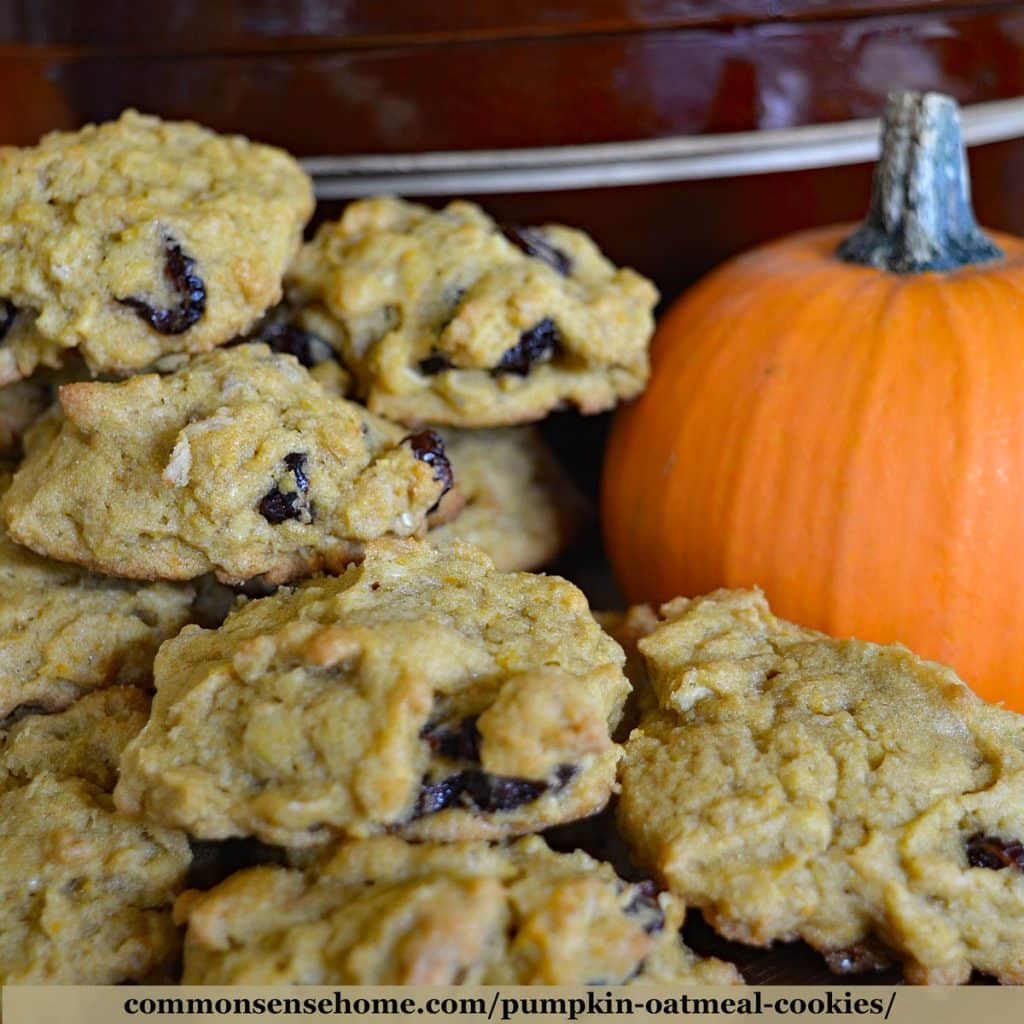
(920, 216)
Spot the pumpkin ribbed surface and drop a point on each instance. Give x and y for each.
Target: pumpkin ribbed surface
(850, 440)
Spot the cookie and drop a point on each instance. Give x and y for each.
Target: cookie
(384, 912)
(86, 893)
(513, 500)
(447, 317)
(85, 741)
(65, 631)
(238, 463)
(139, 237)
(422, 691)
(845, 793)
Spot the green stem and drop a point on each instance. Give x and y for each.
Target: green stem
(920, 217)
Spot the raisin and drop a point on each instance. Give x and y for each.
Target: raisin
(473, 787)
(434, 364)
(8, 311)
(428, 447)
(484, 792)
(459, 744)
(539, 342)
(276, 505)
(644, 904)
(490, 793)
(477, 789)
(533, 243)
(994, 853)
(289, 339)
(179, 270)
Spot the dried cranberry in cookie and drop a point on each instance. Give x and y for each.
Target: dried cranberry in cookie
(511, 498)
(310, 335)
(188, 294)
(428, 447)
(533, 243)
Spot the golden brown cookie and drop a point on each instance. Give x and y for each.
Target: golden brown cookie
(446, 317)
(385, 912)
(139, 237)
(795, 786)
(21, 404)
(84, 741)
(422, 691)
(237, 463)
(85, 892)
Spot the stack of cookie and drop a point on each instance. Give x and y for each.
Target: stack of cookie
(198, 409)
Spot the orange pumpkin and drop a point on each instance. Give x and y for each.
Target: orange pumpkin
(839, 419)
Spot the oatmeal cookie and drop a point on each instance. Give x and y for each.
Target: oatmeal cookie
(384, 912)
(139, 237)
(65, 631)
(237, 463)
(421, 691)
(513, 499)
(85, 741)
(446, 317)
(86, 893)
(796, 786)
